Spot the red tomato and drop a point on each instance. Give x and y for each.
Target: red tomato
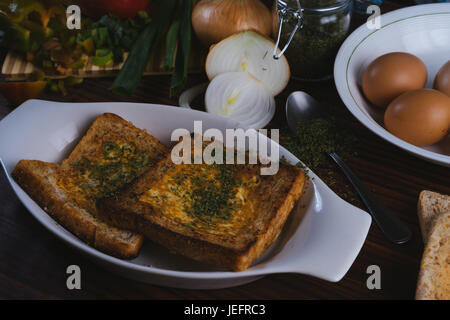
(122, 8)
(126, 8)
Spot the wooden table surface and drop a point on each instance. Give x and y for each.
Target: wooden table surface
(33, 262)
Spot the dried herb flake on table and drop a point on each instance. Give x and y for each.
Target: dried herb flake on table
(311, 143)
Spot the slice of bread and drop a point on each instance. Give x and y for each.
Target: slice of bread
(225, 215)
(433, 281)
(111, 154)
(434, 276)
(430, 205)
(41, 181)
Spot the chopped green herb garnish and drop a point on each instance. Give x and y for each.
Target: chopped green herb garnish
(211, 194)
(122, 163)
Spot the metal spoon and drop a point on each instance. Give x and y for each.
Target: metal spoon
(301, 105)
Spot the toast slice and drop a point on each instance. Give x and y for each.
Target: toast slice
(434, 276)
(222, 214)
(111, 154)
(429, 206)
(41, 181)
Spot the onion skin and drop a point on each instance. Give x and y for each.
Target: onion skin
(214, 20)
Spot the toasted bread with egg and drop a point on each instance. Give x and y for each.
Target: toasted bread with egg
(111, 154)
(222, 214)
(41, 181)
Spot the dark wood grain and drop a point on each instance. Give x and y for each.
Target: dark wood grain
(33, 261)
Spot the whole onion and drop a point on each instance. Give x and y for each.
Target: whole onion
(214, 20)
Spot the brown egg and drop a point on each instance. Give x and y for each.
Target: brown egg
(420, 117)
(442, 80)
(392, 74)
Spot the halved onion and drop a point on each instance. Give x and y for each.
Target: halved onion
(241, 97)
(249, 52)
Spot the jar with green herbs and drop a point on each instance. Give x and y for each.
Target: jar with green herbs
(322, 27)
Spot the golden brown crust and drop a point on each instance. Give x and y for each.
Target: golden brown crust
(274, 227)
(39, 179)
(56, 188)
(429, 206)
(273, 200)
(118, 242)
(109, 126)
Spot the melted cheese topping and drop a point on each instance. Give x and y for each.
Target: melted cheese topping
(174, 196)
(115, 165)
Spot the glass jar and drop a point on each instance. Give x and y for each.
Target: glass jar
(312, 31)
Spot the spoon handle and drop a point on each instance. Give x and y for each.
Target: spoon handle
(392, 227)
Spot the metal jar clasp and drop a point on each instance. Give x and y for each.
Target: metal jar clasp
(287, 10)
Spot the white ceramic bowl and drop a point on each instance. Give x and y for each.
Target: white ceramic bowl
(422, 30)
(322, 236)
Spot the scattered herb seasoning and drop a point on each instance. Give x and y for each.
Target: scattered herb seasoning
(122, 163)
(314, 139)
(212, 195)
(313, 49)
(319, 136)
